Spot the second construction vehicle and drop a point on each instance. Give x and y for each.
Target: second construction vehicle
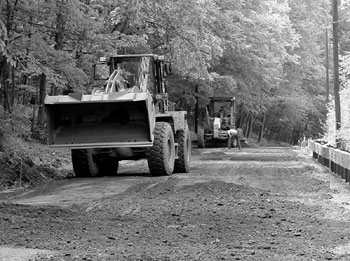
(129, 119)
(221, 116)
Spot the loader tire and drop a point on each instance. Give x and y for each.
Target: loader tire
(161, 156)
(200, 138)
(83, 164)
(182, 163)
(108, 166)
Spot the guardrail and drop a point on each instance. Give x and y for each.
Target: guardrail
(336, 160)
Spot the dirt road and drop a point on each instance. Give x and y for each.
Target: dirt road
(258, 204)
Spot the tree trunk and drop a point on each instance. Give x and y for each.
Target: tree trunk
(59, 35)
(279, 136)
(256, 119)
(196, 111)
(53, 89)
(7, 107)
(34, 103)
(13, 86)
(247, 124)
(4, 78)
(79, 50)
(1, 77)
(42, 93)
(261, 132)
(250, 127)
(242, 121)
(239, 115)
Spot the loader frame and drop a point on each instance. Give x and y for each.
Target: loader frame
(130, 118)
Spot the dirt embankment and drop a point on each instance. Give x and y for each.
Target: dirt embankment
(25, 164)
(258, 204)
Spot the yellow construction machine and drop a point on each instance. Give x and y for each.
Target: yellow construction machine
(220, 117)
(128, 119)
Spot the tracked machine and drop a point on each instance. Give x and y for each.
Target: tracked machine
(130, 118)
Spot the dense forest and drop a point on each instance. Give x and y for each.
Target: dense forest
(272, 55)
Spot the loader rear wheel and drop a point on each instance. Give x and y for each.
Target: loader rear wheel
(83, 164)
(183, 138)
(200, 138)
(161, 156)
(108, 166)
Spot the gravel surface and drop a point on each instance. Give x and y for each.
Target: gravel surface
(257, 204)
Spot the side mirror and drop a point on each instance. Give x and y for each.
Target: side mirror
(101, 71)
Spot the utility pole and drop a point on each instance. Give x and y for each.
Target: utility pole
(196, 112)
(336, 63)
(327, 67)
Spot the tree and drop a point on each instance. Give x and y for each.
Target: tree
(304, 80)
(269, 54)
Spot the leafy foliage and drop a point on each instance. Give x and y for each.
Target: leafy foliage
(268, 54)
(17, 123)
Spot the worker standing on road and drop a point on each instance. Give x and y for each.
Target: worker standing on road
(233, 135)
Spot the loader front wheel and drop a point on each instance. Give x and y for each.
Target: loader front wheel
(183, 138)
(83, 164)
(161, 156)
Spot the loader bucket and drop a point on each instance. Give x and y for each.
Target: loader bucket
(101, 123)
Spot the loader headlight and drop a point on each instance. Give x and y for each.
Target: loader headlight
(103, 59)
(161, 96)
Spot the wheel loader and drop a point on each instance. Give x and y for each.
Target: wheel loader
(129, 118)
(221, 116)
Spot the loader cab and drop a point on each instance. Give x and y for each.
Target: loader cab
(136, 70)
(144, 71)
(222, 108)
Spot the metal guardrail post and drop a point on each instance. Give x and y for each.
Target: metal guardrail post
(336, 161)
(346, 161)
(341, 164)
(332, 164)
(325, 155)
